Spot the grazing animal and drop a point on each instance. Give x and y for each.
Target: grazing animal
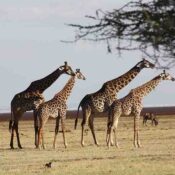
(31, 98)
(48, 165)
(152, 117)
(56, 108)
(131, 103)
(103, 98)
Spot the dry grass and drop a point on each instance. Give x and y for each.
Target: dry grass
(157, 156)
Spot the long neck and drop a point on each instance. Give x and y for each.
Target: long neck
(115, 85)
(42, 84)
(66, 91)
(146, 88)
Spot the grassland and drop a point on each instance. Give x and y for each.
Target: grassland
(156, 157)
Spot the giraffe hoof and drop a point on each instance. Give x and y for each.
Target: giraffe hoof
(139, 146)
(11, 147)
(97, 144)
(20, 147)
(118, 147)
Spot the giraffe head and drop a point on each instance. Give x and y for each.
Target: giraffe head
(145, 64)
(79, 75)
(166, 76)
(67, 69)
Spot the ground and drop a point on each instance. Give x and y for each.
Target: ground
(156, 157)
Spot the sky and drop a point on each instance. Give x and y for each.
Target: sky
(30, 47)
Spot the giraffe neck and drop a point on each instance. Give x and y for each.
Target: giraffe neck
(42, 84)
(115, 85)
(146, 88)
(66, 91)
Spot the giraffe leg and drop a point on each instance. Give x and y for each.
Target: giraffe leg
(86, 115)
(12, 137)
(63, 129)
(43, 143)
(56, 131)
(115, 133)
(136, 131)
(36, 127)
(91, 125)
(17, 135)
(16, 116)
(40, 136)
(109, 125)
(109, 135)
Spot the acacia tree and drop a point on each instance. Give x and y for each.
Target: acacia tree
(138, 25)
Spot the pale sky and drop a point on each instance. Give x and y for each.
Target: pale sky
(30, 47)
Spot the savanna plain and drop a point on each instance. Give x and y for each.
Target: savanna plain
(156, 157)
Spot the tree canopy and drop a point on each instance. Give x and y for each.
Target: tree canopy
(138, 25)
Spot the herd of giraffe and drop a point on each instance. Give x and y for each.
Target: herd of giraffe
(104, 100)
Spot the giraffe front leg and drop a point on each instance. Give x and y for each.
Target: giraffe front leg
(39, 137)
(56, 131)
(107, 133)
(63, 130)
(43, 143)
(136, 132)
(109, 136)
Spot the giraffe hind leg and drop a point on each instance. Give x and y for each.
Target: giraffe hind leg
(86, 114)
(17, 135)
(91, 126)
(17, 116)
(36, 127)
(12, 137)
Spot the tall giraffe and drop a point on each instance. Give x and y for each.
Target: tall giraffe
(103, 98)
(56, 108)
(132, 104)
(31, 98)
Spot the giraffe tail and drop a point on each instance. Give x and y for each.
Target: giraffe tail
(11, 121)
(76, 120)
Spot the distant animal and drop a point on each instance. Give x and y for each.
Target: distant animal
(48, 165)
(150, 116)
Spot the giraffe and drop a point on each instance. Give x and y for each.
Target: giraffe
(103, 98)
(30, 99)
(56, 108)
(132, 104)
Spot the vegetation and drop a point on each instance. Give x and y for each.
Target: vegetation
(148, 26)
(156, 157)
